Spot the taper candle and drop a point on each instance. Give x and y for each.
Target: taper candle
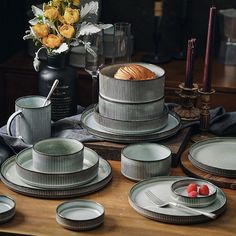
(207, 76)
(189, 64)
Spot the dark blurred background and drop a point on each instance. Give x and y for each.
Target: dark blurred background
(181, 20)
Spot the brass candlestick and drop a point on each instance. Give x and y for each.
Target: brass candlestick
(204, 116)
(187, 111)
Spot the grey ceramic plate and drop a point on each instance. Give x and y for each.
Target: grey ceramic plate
(12, 180)
(161, 186)
(215, 156)
(88, 122)
(7, 208)
(25, 169)
(80, 214)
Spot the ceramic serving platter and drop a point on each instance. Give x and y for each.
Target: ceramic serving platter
(88, 122)
(80, 214)
(12, 180)
(161, 187)
(215, 156)
(31, 176)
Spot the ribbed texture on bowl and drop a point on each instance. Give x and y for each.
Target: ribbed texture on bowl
(58, 155)
(145, 167)
(131, 111)
(80, 224)
(200, 200)
(55, 180)
(145, 126)
(131, 91)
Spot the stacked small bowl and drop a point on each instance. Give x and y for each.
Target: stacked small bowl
(131, 105)
(57, 163)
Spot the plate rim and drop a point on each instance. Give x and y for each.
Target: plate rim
(56, 193)
(175, 219)
(128, 138)
(211, 169)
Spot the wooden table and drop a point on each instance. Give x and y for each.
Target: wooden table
(37, 216)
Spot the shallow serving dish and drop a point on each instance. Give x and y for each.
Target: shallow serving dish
(58, 155)
(179, 193)
(7, 208)
(80, 214)
(52, 180)
(145, 160)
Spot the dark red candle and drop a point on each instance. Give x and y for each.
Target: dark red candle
(209, 51)
(189, 64)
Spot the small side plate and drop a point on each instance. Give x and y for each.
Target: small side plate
(80, 215)
(7, 208)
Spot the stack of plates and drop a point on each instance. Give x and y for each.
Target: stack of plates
(215, 156)
(20, 173)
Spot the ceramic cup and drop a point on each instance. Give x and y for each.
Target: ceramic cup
(33, 120)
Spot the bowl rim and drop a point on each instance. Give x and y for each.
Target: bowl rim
(34, 147)
(145, 160)
(192, 180)
(79, 203)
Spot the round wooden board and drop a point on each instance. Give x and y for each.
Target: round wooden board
(193, 171)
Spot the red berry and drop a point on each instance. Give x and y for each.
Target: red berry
(192, 187)
(192, 194)
(203, 190)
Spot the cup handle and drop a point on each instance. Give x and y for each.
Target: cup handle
(9, 122)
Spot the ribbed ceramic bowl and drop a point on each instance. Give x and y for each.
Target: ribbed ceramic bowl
(54, 180)
(118, 126)
(58, 155)
(179, 193)
(80, 215)
(131, 111)
(131, 91)
(145, 160)
(7, 208)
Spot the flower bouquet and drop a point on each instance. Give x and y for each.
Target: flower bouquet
(61, 24)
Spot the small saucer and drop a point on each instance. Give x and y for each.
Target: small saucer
(179, 193)
(80, 215)
(7, 208)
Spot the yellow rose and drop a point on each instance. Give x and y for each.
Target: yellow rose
(67, 31)
(61, 19)
(76, 2)
(51, 13)
(41, 30)
(56, 3)
(71, 16)
(52, 41)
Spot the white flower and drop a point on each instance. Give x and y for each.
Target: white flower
(89, 8)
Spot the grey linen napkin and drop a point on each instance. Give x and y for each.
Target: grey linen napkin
(222, 124)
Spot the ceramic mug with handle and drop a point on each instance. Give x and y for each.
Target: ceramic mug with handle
(33, 119)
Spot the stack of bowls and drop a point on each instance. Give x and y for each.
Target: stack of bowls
(57, 163)
(131, 105)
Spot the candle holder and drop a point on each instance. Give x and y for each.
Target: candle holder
(205, 98)
(187, 111)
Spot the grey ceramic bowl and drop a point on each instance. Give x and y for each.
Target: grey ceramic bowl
(179, 193)
(58, 155)
(54, 180)
(7, 208)
(145, 160)
(131, 91)
(80, 214)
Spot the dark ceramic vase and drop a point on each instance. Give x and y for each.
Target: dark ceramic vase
(63, 98)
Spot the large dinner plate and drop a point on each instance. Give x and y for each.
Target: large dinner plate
(161, 187)
(89, 122)
(12, 180)
(215, 156)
